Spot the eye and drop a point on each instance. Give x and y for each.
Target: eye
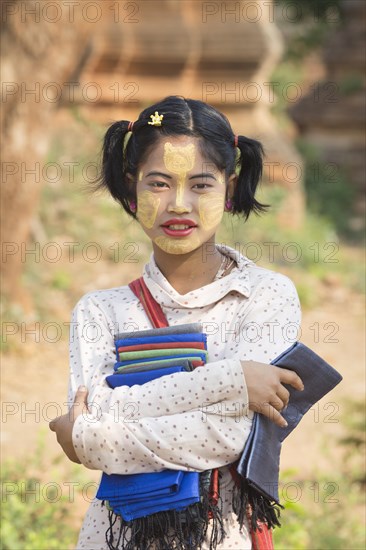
(202, 186)
(158, 184)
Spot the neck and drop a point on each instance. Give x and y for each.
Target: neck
(187, 272)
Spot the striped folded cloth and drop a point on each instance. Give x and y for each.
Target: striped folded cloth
(141, 357)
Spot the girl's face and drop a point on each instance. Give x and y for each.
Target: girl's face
(180, 195)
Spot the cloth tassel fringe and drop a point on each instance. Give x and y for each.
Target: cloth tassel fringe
(171, 530)
(261, 509)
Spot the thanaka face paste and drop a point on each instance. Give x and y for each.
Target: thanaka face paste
(147, 207)
(179, 160)
(211, 209)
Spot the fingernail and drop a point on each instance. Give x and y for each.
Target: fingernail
(285, 424)
(82, 388)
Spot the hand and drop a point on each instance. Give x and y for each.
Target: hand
(63, 425)
(266, 392)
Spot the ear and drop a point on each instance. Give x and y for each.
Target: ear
(231, 186)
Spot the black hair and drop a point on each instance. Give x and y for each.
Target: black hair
(188, 117)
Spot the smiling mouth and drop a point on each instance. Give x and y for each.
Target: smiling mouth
(178, 228)
(176, 224)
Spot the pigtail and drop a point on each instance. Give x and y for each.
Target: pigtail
(114, 164)
(251, 167)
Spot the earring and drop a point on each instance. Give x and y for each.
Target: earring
(228, 205)
(133, 206)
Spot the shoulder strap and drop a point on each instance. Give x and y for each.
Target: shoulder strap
(152, 308)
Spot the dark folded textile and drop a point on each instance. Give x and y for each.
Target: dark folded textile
(259, 463)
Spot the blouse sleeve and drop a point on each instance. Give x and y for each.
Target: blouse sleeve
(211, 437)
(272, 321)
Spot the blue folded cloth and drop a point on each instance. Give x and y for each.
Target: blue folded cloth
(141, 377)
(168, 338)
(132, 487)
(188, 493)
(260, 461)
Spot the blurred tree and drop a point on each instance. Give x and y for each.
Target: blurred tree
(331, 115)
(41, 49)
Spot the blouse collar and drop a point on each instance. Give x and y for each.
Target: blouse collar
(167, 296)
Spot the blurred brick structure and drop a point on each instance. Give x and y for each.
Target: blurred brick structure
(333, 116)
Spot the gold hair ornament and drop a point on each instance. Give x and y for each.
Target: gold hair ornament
(156, 119)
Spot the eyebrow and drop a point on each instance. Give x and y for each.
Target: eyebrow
(204, 175)
(161, 174)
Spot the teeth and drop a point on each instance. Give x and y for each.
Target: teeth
(178, 226)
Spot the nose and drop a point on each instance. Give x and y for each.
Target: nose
(179, 203)
(179, 209)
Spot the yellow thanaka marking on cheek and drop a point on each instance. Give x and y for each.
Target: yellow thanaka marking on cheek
(174, 246)
(141, 175)
(147, 208)
(179, 161)
(211, 209)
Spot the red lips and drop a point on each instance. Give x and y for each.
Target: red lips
(178, 232)
(179, 221)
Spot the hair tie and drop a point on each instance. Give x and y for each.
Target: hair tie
(236, 139)
(130, 126)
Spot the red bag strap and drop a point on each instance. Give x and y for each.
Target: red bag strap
(152, 308)
(261, 540)
(158, 320)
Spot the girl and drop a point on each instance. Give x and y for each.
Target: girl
(180, 169)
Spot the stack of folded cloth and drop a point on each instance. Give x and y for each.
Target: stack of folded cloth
(141, 357)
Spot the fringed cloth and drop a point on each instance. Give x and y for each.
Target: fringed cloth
(184, 529)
